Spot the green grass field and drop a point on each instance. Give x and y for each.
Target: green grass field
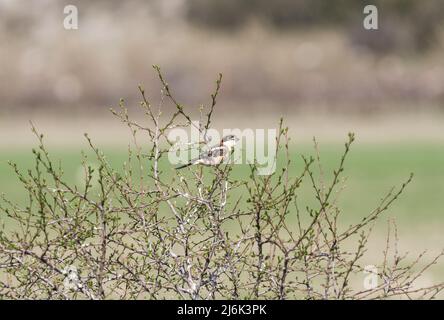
(371, 170)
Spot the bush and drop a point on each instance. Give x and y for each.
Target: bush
(148, 233)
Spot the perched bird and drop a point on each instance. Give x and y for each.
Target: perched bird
(216, 154)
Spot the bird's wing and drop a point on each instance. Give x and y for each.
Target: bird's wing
(217, 152)
(211, 153)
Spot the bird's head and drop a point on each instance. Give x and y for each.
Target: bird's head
(229, 140)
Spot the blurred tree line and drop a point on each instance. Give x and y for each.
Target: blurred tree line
(403, 24)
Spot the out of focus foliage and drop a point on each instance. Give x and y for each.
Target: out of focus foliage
(404, 24)
(288, 52)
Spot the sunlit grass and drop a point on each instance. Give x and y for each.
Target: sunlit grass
(371, 169)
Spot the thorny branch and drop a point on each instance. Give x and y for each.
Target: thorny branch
(148, 231)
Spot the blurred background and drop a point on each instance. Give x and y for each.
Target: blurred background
(310, 61)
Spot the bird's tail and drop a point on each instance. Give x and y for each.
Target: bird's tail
(184, 166)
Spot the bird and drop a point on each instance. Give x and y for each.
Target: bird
(216, 154)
